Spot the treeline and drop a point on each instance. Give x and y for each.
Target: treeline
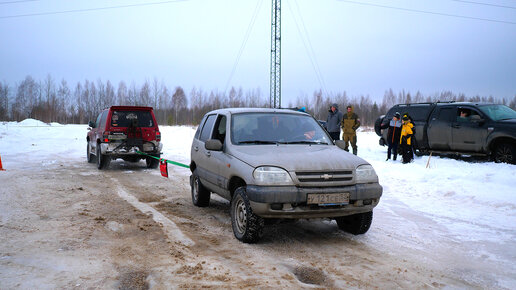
(51, 101)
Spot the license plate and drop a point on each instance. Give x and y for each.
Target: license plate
(117, 137)
(328, 198)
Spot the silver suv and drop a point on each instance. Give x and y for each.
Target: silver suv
(278, 163)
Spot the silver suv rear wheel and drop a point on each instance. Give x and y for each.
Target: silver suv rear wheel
(200, 195)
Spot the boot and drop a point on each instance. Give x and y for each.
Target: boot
(355, 151)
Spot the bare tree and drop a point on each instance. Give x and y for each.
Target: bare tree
(4, 101)
(122, 97)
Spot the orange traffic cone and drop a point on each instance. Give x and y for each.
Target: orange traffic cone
(1, 169)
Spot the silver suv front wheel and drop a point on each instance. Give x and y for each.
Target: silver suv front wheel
(247, 226)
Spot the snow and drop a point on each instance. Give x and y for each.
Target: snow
(475, 201)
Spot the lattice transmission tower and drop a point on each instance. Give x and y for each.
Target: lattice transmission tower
(275, 85)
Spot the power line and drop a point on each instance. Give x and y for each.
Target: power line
(485, 4)
(308, 47)
(20, 1)
(90, 9)
(244, 42)
(428, 12)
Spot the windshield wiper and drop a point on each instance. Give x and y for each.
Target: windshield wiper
(257, 142)
(305, 142)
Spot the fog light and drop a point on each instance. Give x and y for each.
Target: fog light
(368, 201)
(276, 206)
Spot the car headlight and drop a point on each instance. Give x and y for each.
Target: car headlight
(365, 174)
(268, 175)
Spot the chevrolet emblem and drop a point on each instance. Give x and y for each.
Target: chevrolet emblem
(326, 176)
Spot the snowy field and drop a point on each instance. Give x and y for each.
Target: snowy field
(460, 214)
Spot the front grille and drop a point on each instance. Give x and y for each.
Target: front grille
(341, 176)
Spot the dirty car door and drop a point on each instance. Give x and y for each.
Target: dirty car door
(206, 169)
(469, 135)
(439, 128)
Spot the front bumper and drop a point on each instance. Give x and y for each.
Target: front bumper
(290, 201)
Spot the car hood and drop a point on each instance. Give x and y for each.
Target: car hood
(508, 121)
(297, 157)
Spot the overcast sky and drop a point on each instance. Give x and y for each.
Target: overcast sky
(362, 47)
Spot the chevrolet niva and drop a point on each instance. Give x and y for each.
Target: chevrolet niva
(279, 164)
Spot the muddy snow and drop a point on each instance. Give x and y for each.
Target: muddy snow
(65, 224)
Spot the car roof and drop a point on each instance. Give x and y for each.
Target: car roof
(255, 110)
(128, 108)
(451, 103)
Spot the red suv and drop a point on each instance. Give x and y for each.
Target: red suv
(120, 132)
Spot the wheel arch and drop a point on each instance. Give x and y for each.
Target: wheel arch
(499, 140)
(193, 166)
(234, 183)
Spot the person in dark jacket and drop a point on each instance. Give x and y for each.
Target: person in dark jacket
(393, 135)
(333, 122)
(350, 123)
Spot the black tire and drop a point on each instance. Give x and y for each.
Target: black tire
(102, 159)
(356, 224)
(152, 162)
(377, 125)
(505, 153)
(200, 195)
(89, 156)
(247, 226)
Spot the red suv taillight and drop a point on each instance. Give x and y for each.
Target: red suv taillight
(158, 135)
(105, 136)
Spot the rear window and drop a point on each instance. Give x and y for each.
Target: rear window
(132, 119)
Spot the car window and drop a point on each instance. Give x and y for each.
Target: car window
(103, 119)
(499, 112)
(198, 131)
(467, 115)
(417, 112)
(132, 119)
(446, 114)
(272, 128)
(97, 124)
(207, 128)
(220, 132)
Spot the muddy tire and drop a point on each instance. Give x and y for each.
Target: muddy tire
(356, 224)
(102, 159)
(247, 226)
(90, 157)
(152, 162)
(505, 153)
(200, 195)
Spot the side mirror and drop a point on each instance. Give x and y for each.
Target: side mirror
(91, 124)
(477, 119)
(341, 144)
(213, 145)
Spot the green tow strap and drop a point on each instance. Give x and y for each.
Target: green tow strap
(168, 161)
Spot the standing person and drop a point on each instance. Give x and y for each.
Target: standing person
(333, 122)
(350, 124)
(393, 135)
(406, 139)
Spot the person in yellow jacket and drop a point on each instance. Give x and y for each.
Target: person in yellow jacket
(350, 123)
(406, 139)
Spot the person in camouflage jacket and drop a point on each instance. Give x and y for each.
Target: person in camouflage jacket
(350, 123)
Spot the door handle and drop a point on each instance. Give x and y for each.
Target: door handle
(196, 148)
(456, 126)
(208, 153)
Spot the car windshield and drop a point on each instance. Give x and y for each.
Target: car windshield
(276, 128)
(499, 112)
(132, 119)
